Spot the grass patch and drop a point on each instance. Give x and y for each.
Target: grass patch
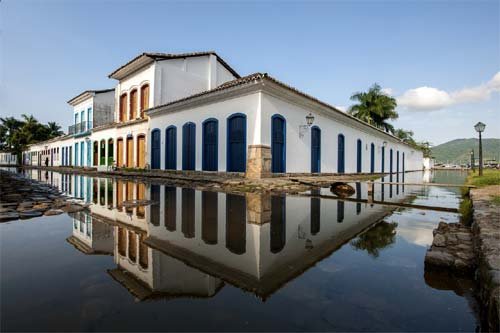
(496, 200)
(489, 177)
(465, 209)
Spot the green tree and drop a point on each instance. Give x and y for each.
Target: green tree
(16, 135)
(54, 129)
(376, 238)
(375, 108)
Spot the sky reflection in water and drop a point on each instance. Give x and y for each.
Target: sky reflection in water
(211, 261)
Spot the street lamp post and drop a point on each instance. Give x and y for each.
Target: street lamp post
(479, 127)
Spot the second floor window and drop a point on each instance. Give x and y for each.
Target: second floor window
(123, 108)
(144, 99)
(133, 104)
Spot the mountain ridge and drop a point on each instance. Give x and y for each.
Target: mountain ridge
(458, 150)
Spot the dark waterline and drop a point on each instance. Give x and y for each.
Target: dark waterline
(198, 261)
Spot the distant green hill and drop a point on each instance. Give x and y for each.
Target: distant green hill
(458, 151)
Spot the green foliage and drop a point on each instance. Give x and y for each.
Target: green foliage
(376, 238)
(496, 199)
(458, 150)
(465, 209)
(16, 134)
(489, 177)
(375, 108)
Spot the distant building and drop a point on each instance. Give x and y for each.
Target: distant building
(193, 111)
(8, 158)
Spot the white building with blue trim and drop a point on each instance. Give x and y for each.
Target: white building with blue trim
(194, 112)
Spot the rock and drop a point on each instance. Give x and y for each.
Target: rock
(71, 208)
(26, 204)
(439, 240)
(439, 258)
(27, 214)
(8, 216)
(41, 206)
(5, 210)
(52, 212)
(342, 189)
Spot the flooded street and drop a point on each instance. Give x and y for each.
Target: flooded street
(195, 260)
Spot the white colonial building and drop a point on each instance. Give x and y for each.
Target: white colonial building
(194, 112)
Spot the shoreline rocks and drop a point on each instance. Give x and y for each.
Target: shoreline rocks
(452, 248)
(24, 198)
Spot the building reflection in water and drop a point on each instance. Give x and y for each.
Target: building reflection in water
(189, 242)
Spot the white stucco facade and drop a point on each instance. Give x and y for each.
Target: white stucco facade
(156, 92)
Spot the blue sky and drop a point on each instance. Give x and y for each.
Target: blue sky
(438, 58)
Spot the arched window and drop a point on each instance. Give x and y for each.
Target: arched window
(110, 151)
(315, 149)
(278, 144)
(123, 108)
(144, 98)
(96, 153)
(133, 105)
(102, 154)
(341, 154)
(210, 140)
(171, 148)
(236, 143)
(189, 146)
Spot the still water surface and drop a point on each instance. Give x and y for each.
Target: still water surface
(206, 261)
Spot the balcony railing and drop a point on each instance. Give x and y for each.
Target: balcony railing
(80, 127)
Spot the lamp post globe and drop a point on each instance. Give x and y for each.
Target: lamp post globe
(479, 127)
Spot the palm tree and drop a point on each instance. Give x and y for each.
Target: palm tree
(54, 129)
(405, 136)
(375, 108)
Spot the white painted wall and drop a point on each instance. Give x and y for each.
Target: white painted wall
(143, 76)
(248, 105)
(298, 151)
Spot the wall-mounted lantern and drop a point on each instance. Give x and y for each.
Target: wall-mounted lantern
(309, 119)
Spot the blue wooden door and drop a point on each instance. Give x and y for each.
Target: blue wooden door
(278, 223)
(382, 168)
(210, 145)
(397, 161)
(82, 153)
(390, 161)
(236, 143)
(315, 149)
(188, 146)
(359, 155)
(372, 158)
(341, 154)
(171, 148)
(89, 153)
(278, 137)
(155, 149)
(236, 232)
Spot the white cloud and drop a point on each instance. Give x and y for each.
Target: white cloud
(429, 98)
(387, 91)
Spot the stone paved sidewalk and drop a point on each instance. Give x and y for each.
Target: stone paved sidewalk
(486, 238)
